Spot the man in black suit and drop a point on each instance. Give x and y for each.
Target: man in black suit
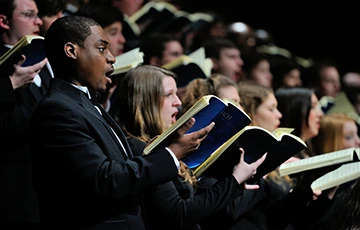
(21, 89)
(84, 170)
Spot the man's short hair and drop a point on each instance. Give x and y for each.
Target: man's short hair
(214, 46)
(73, 29)
(7, 8)
(50, 7)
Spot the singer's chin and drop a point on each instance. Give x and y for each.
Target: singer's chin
(100, 96)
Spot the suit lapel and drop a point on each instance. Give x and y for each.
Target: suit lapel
(83, 100)
(117, 130)
(36, 92)
(91, 108)
(45, 78)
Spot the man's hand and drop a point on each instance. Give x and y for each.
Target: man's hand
(23, 76)
(186, 143)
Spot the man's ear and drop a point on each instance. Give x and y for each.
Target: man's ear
(70, 50)
(155, 61)
(4, 22)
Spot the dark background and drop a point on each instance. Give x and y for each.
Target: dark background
(309, 29)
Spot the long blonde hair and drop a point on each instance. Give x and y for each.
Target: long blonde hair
(331, 133)
(141, 102)
(200, 87)
(252, 96)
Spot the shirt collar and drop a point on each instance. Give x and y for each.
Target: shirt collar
(83, 88)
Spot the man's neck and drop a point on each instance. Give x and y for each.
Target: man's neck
(7, 39)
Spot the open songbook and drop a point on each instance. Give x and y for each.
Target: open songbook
(341, 175)
(31, 46)
(182, 21)
(134, 27)
(275, 50)
(327, 159)
(229, 119)
(279, 145)
(126, 61)
(325, 103)
(342, 104)
(152, 14)
(164, 17)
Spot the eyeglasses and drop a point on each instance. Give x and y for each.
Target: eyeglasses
(30, 15)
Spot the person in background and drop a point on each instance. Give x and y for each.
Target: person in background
(49, 11)
(226, 58)
(160, 49)
(22, 88)
(286, 72)
(337, 131)
(127, 7)
(260, 103)
(324, 78)
(217, 84)
(257, 68)
(300, 110)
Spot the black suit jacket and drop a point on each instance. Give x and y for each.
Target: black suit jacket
(18, 201)
(81, 173)
(176, 204)
(16, 107)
